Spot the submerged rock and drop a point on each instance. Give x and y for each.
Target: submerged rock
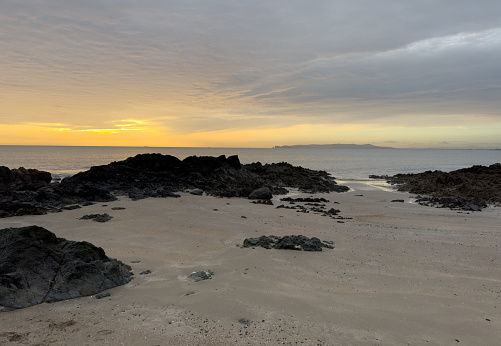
(37, 267)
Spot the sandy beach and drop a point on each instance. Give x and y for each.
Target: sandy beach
(400, 274)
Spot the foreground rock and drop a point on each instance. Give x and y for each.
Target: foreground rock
(156, 175)
(476, 184)
(288, 242)
(37, 267)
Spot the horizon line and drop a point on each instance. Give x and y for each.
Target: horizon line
(292, 146)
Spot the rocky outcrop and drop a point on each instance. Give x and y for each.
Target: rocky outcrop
(477, 183)
(30, 192)
(278, 176)
(19, 191)
(288, 242)
(23, 179)
(37, 267)
(156, 175)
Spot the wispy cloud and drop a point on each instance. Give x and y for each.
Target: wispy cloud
(219, 65)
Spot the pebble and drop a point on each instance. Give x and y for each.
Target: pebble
(201, 275)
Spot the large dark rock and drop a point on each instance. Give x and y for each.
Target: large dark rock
(156, 175)
(477, 184)
(37, 267)
(150, 175)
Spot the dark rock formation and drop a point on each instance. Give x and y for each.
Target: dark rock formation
(304, 199)
(19, 191)
(311, 204)
(451, 203)
(278, 176)
(290, 242)
(479, 184)
(97, 217)
(155, 175)
(23, 179)
(36, 267)
(30, 192)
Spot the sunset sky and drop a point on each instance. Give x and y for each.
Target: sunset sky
(250, 73)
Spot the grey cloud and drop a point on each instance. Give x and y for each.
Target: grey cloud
(449, 74)
(321, 59)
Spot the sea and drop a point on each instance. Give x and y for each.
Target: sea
(347, 166)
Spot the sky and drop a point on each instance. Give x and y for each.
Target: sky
(201, 73)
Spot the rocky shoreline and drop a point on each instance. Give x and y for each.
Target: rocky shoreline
(31, 192)
(37, 267)
(399, 273)
(467, 189)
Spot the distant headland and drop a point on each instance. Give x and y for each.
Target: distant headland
(332, 146)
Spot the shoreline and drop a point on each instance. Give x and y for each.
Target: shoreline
(399, 273)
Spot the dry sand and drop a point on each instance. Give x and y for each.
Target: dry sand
(400, 274)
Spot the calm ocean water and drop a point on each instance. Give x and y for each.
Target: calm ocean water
(344, 164)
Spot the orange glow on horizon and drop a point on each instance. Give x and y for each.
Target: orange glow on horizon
(143, 133)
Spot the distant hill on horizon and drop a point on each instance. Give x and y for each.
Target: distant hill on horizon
(333, 146)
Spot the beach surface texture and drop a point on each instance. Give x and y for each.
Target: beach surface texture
(399, 274)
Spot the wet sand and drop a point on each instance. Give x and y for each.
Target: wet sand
(400, 274)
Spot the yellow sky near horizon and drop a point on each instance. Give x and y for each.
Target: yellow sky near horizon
(140, 133)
